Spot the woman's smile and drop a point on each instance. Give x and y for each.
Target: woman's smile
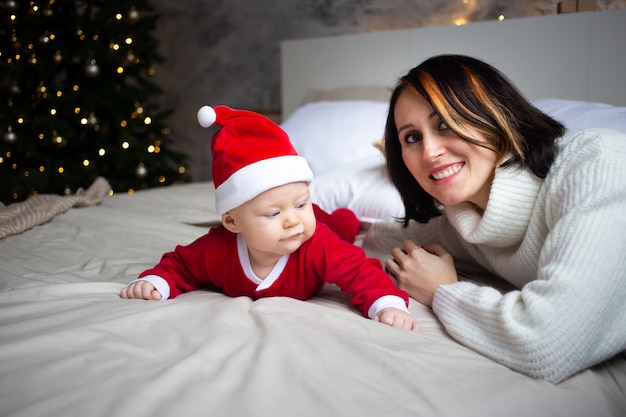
(447, 172)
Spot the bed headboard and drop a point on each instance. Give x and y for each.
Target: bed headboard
(576, 56)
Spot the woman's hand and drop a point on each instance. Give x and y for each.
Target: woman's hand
(420, 270)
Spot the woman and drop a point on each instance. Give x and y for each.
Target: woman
(492, 184)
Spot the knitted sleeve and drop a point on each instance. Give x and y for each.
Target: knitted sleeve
(570, 315)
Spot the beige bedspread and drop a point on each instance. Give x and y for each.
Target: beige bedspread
(69, 346)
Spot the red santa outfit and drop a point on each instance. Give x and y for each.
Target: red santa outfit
(251, 154)
(220, 259)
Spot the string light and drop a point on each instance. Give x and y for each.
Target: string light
(463, 18)
(65, 121)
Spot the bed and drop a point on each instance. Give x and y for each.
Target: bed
(70, 346)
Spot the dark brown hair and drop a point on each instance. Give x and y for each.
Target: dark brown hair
(468, 94)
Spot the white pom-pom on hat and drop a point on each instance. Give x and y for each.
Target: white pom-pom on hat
(206, 116)
(250, 155)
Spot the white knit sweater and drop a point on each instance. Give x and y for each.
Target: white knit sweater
(560, 241)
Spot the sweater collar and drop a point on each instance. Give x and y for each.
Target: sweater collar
(505, 220)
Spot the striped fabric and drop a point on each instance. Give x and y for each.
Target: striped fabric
(18, 217)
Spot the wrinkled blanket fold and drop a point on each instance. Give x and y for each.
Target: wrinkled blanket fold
(19, 217)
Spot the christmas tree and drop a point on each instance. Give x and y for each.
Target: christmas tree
(77, 100)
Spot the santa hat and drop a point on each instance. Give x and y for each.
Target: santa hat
(251, 154)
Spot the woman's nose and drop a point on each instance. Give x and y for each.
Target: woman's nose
(432, 146)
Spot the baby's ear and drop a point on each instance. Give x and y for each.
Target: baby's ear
(229, 222)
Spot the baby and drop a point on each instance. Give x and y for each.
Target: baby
(273, 241)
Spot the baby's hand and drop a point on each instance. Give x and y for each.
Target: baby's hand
(397, 318)
(141, 289)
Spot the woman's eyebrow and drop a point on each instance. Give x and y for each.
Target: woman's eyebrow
(408, 125)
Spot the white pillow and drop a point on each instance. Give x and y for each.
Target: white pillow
(362, 186)
(333, 133)
(579, 115)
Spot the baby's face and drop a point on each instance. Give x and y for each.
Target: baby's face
(277, 221)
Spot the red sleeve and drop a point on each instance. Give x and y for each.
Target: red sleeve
(188, 268)
(347, 266)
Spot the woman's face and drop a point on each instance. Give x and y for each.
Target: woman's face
(449, 168)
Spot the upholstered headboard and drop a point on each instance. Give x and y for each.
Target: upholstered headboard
(577, 56)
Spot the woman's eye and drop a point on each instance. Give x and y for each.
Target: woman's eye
(412, 137)
(443, 126)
